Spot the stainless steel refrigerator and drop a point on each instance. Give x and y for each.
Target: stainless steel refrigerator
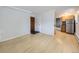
(70, 26)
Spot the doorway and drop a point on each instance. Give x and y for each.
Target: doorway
(32, 25)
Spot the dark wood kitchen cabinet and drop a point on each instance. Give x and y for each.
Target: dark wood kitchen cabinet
(63, 26)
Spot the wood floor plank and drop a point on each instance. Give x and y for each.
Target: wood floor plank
(41, 43)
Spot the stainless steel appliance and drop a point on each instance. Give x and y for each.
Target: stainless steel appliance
(70, 26)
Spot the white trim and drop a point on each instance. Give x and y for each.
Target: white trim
(23, 10)
(12, 38)
(77, 36)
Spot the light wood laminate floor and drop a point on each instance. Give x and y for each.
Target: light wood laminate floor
(60, 42)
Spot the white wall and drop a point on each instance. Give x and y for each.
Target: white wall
(46, 22)
(13, 23)
(77, 24)
(37, 25)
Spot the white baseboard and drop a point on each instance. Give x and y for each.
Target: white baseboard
(2, 40)
(77, 36)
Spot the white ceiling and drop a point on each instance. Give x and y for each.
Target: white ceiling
(41, 9)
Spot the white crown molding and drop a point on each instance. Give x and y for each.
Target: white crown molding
(23, 10)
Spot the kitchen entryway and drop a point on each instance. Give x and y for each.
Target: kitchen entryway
(66, 24)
